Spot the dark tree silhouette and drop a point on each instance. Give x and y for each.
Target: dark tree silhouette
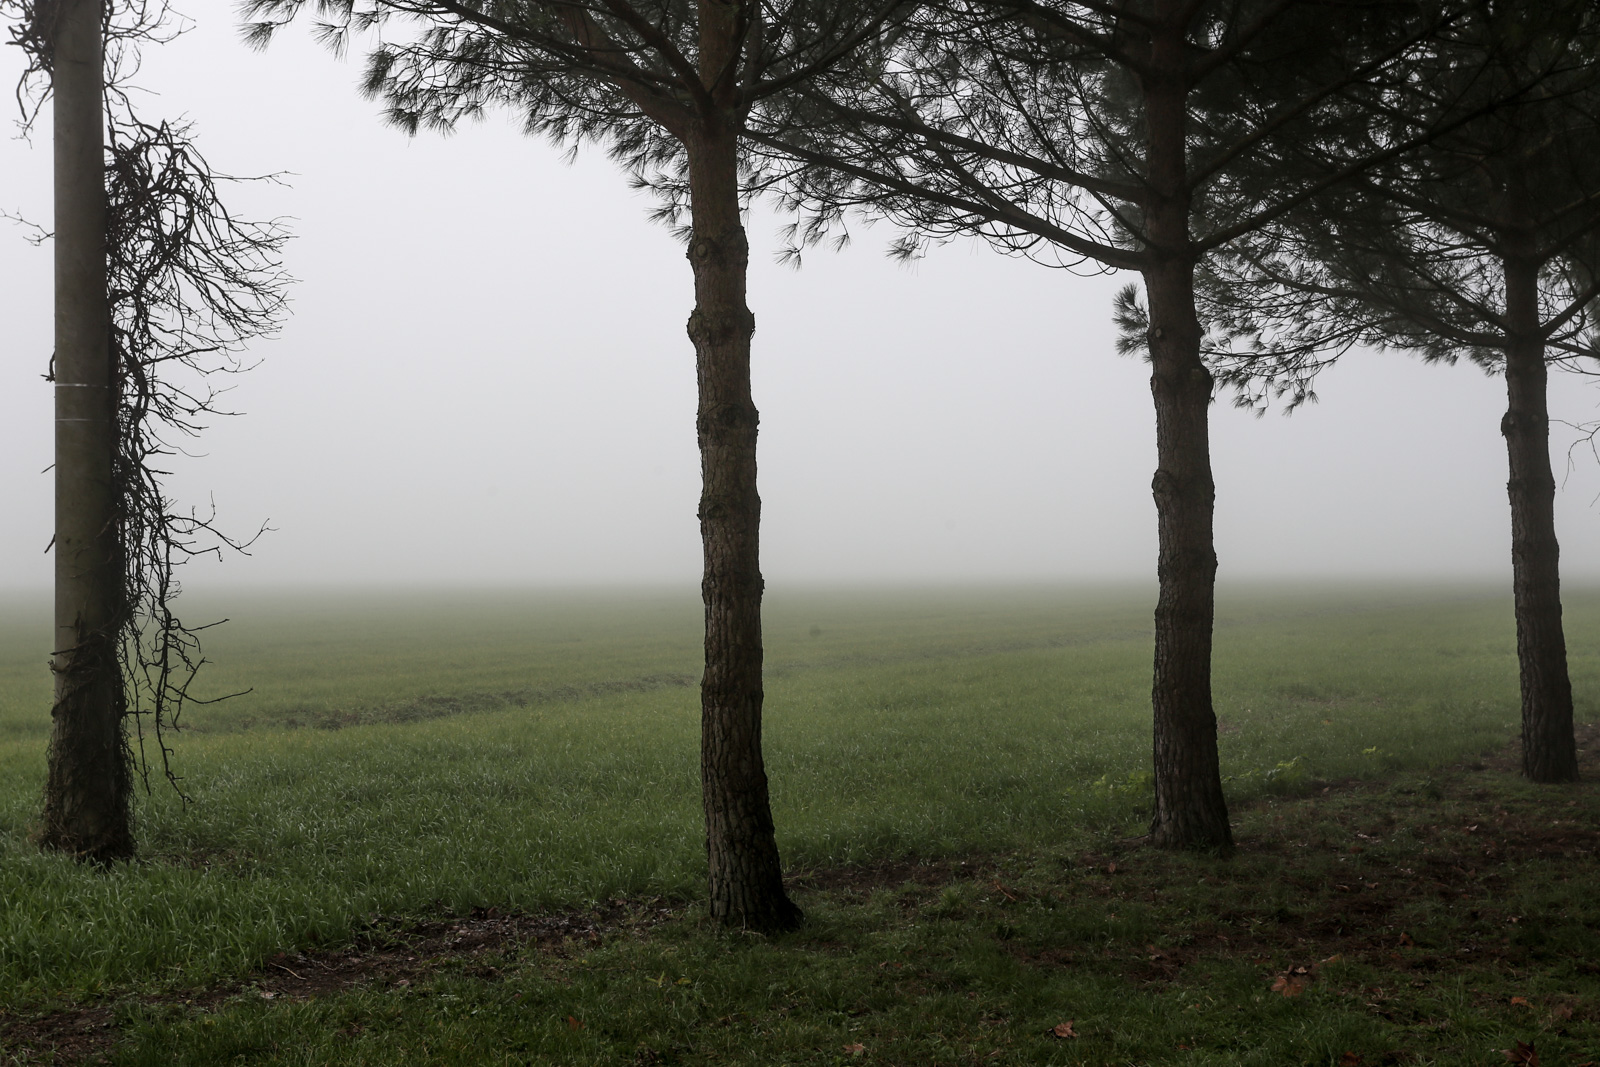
(1141, 135)
(151, 275)
(669, 87)
(1484, 243)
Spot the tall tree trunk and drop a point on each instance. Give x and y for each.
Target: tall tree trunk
(1190, 811)
(746, 879)
(89, 786)
(1549, 749)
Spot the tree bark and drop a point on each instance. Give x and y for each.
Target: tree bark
(1549, 748)
(1190, 811)
(89, 785)
(746, 879)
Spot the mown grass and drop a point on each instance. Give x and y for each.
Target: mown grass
(430, 755)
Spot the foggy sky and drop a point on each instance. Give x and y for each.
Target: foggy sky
(486, 380)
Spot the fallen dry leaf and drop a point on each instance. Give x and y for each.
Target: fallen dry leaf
(856, 1049)
(1289, 984)
(1350, 1059)
(1111, 868)
(1405, 939)
(1519, 1002)
(573, 1023)
(1064, 1030)
(1522, 1054)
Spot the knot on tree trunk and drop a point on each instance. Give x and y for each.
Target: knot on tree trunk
(1164, 486)
(726, 417)
(704, 248)
(1174, 380)
(708, 330)
(1513, 422)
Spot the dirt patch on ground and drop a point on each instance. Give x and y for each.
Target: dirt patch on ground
(1360, 871)
(399, 951)
(82, 1035)
(388, 952)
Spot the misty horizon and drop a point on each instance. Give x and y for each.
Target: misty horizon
(497, 390)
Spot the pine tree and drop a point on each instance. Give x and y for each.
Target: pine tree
(1141, 136)
(1483, 243)
(669, 88)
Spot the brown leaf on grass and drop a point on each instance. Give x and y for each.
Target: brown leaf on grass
(1064, 1030)
(1523, 1054)
(1290, 984)
(1111, 868)
(856, 1049)
(1521, 1002)
(573, 1023)
(1561, 1013)
(1405, 939)
(1350, 1059)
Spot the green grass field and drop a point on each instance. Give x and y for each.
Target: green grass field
(416, 757)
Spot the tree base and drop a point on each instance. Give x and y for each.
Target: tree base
(775, 916)
(1191, 836)
(102, 851)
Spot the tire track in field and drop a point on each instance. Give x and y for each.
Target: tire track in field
(444, 705)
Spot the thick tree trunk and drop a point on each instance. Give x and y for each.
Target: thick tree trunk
(89, 786)
(1190, 811)
(1549, 749)
(746, 879)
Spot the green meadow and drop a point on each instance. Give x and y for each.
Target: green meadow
(410, 756)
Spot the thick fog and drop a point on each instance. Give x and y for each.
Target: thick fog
(486, 380)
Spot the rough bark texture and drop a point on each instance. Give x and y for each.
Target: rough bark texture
(1549, 750)
(746, 880)
(1190, 811)
(89, 786)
